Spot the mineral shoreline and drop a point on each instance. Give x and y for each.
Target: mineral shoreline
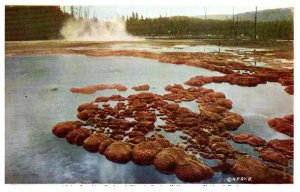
(228, 64)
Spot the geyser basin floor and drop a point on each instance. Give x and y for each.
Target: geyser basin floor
(267, 54)
(34, 105)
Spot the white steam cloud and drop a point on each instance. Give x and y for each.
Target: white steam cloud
(96, 30)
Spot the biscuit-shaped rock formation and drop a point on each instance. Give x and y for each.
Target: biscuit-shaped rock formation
(274, 156)
(285, 146)
(104, 144)
(190, 170)
(144, 153)
(84, 106)
(232, 121)
(249, 167)
(92, 142)
(249, 139)
(63, 128)
(144, 87)
(77, 136)
(174, 160)
(283, 125)
(118, 152)
(290, 89)
(93, 88)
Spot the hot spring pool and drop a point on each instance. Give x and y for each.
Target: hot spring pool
(37, 96)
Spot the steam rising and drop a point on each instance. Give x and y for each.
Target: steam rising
(96, 30)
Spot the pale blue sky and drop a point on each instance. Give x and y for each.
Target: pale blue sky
(108, 12)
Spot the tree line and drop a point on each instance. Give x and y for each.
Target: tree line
(24, 23)
(193, 27)
(44, 23)
(33, 22)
